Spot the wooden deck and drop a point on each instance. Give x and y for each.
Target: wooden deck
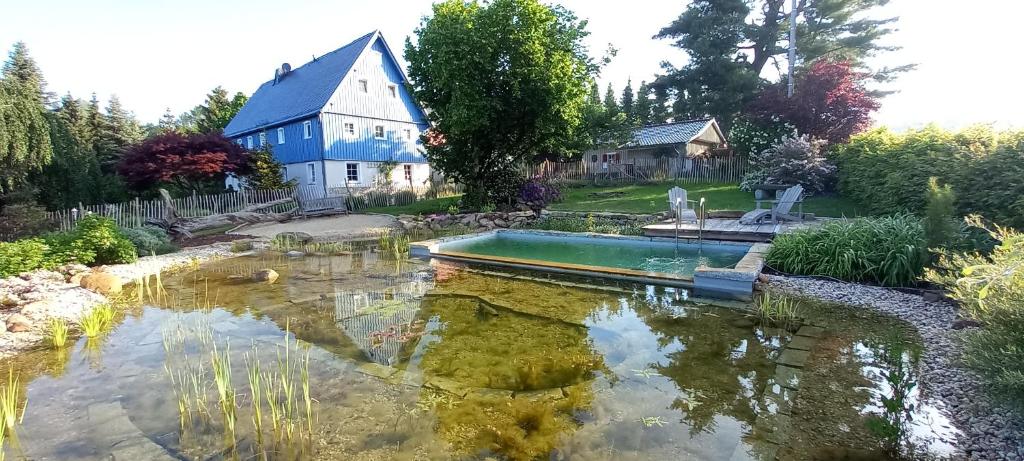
(722, 229)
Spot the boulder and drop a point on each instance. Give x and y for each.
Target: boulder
(17, 323)
(300, 237)
(265, 275)
(38, 309)
(102, 282)
(295, 254)
(500, 223)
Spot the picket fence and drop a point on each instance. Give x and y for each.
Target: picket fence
(716, 168)
(134, 213)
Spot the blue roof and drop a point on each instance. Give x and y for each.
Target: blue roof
(302, 92)
(670, 133)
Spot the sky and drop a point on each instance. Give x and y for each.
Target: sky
(159, 54)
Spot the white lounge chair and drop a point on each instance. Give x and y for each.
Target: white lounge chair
(780, 209)
(677, 203)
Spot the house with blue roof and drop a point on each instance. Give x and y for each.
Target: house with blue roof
(335, 119)
(678, 141)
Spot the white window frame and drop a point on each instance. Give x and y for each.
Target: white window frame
(364, 85)
(383, 132)
(248, 142)
(307, 129)
(408, 134)
(311, 173)
(280, 135)
(345, 129)
(347, 176)
(407, 172)
(263, 138)
(240, 142)
(393, 90)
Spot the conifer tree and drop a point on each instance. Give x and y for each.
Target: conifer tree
(627, 102)
(611, 106)
(217, 111)
(660, 111)
(642, 107)
(24, 130)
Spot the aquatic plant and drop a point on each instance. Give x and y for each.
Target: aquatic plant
(93, 323)
(57, 332)
(10, 416)
(651, 421)
(898, 365)
(777, 307)
(252, 368)
(241, 246)
(220, 363)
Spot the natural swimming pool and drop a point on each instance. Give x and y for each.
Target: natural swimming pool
(433, 360)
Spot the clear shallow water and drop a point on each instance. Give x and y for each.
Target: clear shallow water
(417, 361)
(640, 255)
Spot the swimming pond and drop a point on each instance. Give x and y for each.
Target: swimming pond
(431, 360)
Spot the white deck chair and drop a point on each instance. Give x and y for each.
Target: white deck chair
(780, 210)
(676, 200)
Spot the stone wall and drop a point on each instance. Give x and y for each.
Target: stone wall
(618, 218)
(473, 221)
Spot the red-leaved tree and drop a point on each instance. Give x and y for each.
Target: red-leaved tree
(190, 162)
(830, 102)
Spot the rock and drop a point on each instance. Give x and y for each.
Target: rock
(932, 296)
(102, 283)
(265, 275)
(500, 223)
(38, 309)
(295, 254)
(960, 324)
(17, 323)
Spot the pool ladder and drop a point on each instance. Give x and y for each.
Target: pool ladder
(701, 216)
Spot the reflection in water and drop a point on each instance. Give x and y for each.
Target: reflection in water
(432, 361)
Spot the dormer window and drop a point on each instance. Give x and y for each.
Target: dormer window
(378, 132)
(307, 129)
(393, 91)
(364, 86)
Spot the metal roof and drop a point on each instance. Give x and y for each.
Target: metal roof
(670, 133)
(302, 92)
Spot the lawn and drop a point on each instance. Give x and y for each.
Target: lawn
(650, 198)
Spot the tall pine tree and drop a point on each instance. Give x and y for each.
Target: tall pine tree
(611, 106)
(74, 175)
(217, 111)
(642, 107)
(24, 130)
(660, 110)
(627, 102)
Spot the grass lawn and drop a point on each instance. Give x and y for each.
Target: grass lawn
(652, 198)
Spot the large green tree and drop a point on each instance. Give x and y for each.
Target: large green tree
(731, 42)
(504, 80)
(627, 102)
(24, 131)
(217, 111)
(643, 106)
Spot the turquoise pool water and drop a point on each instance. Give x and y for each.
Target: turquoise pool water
(633, 254)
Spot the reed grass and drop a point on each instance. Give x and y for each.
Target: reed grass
(886, 251)
(92, 323)
(57, 331)
(252, 367)
(777, 307)
(10, 416)
(220, 363)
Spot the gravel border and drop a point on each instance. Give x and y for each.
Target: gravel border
(990, 430)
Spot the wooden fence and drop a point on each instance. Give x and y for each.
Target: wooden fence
(134, 213)
(358, 199)
(717, 168)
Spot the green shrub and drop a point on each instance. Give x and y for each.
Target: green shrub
(149, 240)
(21, 256)
(991, 289)
(888, 172)
(101, 235)
(940, 227)
(887, 251)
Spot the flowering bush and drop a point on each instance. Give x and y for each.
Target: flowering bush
(537, 193)
(793, 160)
